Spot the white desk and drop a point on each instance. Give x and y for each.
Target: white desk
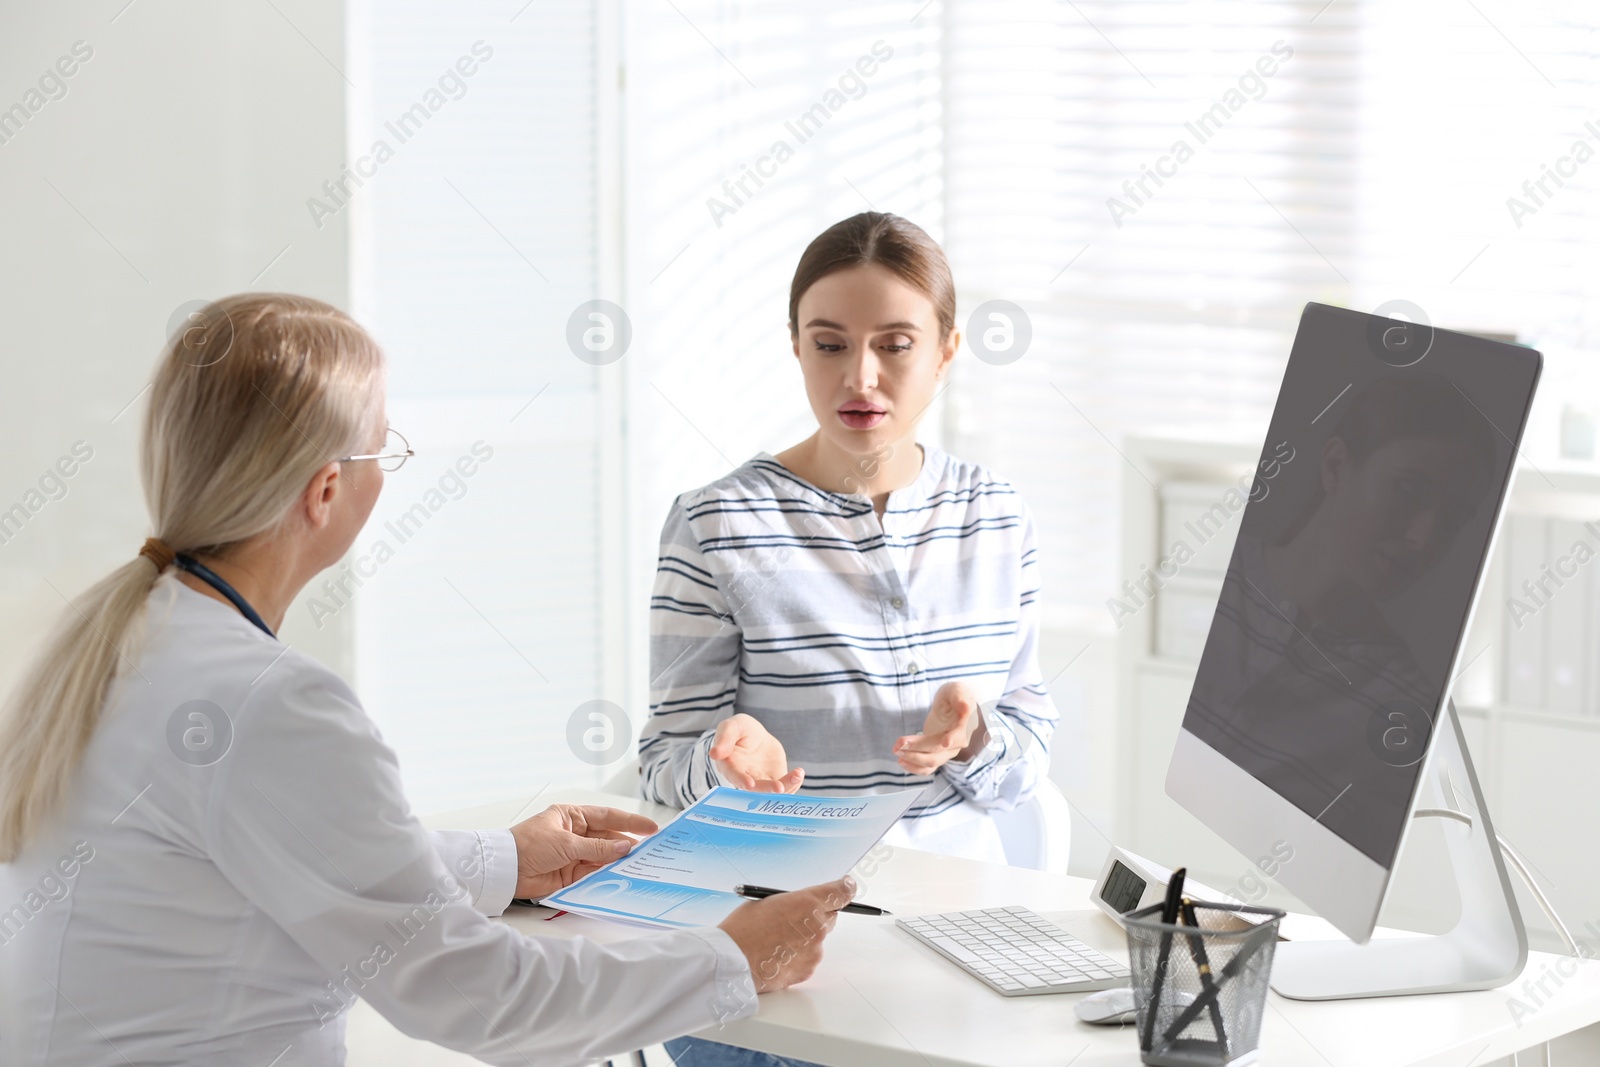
(880, 999)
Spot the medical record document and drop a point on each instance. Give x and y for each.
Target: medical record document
(685, 873)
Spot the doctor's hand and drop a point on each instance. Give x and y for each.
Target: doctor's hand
(781, 936)
(954, 730)
(566, 841)
(751, 758)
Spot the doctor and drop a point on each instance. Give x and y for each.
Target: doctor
(205, 852)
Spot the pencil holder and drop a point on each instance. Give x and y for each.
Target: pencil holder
(1200, 990)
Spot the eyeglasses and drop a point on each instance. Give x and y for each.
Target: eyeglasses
(396, 450)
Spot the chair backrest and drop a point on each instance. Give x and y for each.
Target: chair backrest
(1038, 832)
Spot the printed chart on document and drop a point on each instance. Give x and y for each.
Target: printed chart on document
(684, 874)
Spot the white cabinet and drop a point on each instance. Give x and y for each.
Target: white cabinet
(1184, 607)
(1545, 804)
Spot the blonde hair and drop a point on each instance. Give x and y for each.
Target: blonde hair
(252, 396)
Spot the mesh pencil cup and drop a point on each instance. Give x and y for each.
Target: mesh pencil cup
(1200, 990)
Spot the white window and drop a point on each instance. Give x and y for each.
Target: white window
(474, 244)
(1160, 186)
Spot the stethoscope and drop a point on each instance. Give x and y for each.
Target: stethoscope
(211, 578)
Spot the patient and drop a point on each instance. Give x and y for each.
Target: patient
(858, 613)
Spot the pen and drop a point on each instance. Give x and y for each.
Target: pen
(1242, 954)
(1202, 961)
(757, 892)
(1169, 916)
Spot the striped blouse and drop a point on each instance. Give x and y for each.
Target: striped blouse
(834, 629)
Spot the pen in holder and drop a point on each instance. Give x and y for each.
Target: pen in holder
(1200, 987)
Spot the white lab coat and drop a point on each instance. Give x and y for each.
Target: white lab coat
(226, 907)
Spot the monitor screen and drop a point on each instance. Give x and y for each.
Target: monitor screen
(1358, 555)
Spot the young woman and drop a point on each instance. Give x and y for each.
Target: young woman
(204, 848)
(857, 614)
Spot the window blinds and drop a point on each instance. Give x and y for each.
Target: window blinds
(834, 108)
(1160, 186)
(481, 634)
(1162, 189)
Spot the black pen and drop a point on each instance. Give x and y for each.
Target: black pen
(1202, 961)
(758, 892)
(1169, 916)
(1247, 948)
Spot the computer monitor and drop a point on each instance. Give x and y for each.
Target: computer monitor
(1338, 630)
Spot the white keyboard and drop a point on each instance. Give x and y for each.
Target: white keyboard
(1016, 952)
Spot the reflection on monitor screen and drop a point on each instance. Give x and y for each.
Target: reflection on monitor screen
(1354, 570)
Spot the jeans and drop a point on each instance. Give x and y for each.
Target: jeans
(694, 1052)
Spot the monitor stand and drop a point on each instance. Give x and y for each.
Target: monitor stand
(1486, 948)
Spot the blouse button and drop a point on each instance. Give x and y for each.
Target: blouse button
(897, 602)
(912, 668)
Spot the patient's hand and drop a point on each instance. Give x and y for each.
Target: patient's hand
(751, 758)
(566, 841)
(953, 731)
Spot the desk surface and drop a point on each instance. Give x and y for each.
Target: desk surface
(881, 999)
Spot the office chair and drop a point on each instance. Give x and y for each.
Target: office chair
(1038, 832)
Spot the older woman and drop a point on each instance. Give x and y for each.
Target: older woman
(205, 836)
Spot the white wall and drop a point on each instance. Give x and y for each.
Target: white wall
(176, 167)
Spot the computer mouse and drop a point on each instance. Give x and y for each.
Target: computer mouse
(1114, 1007)
(1109, 1007)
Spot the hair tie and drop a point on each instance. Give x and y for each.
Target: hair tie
(157, 551)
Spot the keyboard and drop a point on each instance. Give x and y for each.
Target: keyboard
(1016, 952)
